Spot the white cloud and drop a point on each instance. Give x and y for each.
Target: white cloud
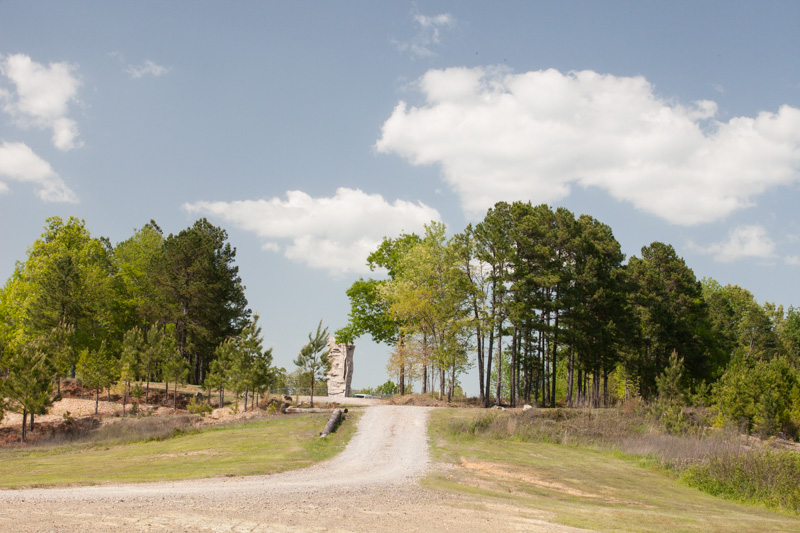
(428, 34)
(792, 260)
(334, 234)
(504, 136)
(19, 163)
(147, 68)
(743, 242)
(41, 97)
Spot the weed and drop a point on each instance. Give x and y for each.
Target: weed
(721, 461)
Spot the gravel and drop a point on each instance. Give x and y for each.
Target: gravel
(389, 448)
(371, 486)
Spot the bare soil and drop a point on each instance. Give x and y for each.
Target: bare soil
(370, 486)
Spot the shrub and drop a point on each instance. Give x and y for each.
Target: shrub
(768, 477)
(201, 408)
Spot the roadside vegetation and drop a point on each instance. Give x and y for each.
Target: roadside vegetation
(582, 444)
(172, 448)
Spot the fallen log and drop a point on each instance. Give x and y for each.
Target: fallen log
(291, 409)
(333, 421)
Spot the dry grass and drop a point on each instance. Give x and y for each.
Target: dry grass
(718, 461)
(587, 483)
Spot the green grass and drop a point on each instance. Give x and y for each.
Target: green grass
(249, 448)
(581, 487)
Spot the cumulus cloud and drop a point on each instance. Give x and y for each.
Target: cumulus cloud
(41, 97)
(148, 68)
(532, 136)
(792, 260)
(743, 242)
(19, 163)
(428, 34)
(330, 233)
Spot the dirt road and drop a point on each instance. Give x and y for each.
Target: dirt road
(370, 486)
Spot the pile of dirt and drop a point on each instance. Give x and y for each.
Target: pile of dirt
(72, 413)
(49, 430)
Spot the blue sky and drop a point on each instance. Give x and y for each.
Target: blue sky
(310, 130)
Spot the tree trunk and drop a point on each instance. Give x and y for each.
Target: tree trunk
(452, 381)
(31, 421)
(488, 378)
(570, 370)
(175, 397)
(499, 358)
(402, 379)
(554, 362)
(543, 367)
(125, 397)
(24, 420)
(512, 385)
(96, 400)
(479, 343)
(441, 381)
(333, 421)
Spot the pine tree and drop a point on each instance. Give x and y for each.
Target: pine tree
(28, 385)
(312, 360)
(97, 369)
(173, 368)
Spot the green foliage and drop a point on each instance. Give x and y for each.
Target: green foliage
(672, 316)
(428, 296)
(201, 408)
(68, 274)
(97, 369)
(387, 389)
(759, 396)
(313, 360)
(28, 383)
(669, 383)
(139, 303)
(206, 295)
(771, 478)
(369, 312)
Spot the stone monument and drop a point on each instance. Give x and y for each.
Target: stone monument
(340, 375)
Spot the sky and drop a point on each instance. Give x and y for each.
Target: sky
(310, 130)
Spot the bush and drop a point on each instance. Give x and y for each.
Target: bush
(768, 477)
(201, 408)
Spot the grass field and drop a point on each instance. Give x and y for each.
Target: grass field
(581, 487)
(244, 448)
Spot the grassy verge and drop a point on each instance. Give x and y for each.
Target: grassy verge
(578, 484)
(246, 448)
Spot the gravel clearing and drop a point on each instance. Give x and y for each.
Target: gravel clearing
(370, 486)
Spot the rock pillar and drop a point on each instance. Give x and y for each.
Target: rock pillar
(340, 375)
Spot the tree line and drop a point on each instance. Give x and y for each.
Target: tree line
(152, 307)
(546, 306)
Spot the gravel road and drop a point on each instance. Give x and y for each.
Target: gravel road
(370, 486)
